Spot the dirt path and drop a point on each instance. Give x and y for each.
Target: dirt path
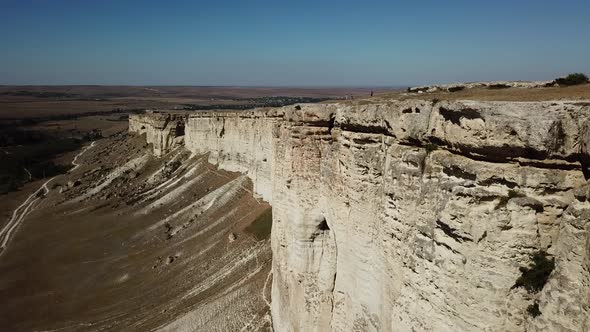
(267, 317)
(75, 160)
(26, 207)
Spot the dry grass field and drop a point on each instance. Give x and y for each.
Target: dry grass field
(18, 102)
(510, 94)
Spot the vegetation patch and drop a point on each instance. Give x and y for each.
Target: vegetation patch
(249, 103)
(262, 226)
(572, 79)
(533, 310)
(38, 94)
(430, 147)
(498, 86)
(34, 160)
(535, 276)
(456, 88)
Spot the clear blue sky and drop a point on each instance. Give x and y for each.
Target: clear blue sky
(292, 43)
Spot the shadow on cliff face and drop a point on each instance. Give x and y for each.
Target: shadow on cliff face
(140, 243)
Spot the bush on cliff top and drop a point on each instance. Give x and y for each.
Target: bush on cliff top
(572, 79)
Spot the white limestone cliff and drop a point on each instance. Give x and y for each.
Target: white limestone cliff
(162, 130)
(413, 215)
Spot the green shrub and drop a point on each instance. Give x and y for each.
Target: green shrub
(456, 88)
(533, 310)
(429, 147)
(572, 79)
(534, 277)
(498, 86)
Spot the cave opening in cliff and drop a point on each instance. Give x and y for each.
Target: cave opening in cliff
(321, 228)
(179, 130)
(323, 225)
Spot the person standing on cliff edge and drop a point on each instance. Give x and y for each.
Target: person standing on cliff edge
(371, 93)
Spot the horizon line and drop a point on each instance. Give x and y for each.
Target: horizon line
(212, 86)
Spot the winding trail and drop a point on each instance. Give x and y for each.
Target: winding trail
(264, 289)
(26, 207)
(267, 316)
(255, 324)
(75, 160)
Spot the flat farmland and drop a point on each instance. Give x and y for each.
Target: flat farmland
(20, 102)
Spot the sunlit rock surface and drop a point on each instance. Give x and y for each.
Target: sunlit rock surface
(414, 215)
(163, 130)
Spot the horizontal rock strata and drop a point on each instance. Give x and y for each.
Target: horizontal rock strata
(162, 130)
(412, 215)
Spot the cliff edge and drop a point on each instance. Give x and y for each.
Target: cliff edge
(412, 215)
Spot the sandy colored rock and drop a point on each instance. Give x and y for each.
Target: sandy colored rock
(232, 237)
(162, 130)
(414, 215)
(74, 183)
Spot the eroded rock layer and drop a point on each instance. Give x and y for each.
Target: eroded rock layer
(415, 215)
(163, 130)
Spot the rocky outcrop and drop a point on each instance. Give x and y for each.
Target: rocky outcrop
(163, 130)
(485, 85)
(415, 215)
(239, 142)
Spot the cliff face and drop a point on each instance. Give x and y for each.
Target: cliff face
(239, 142)
(415, 215)
(162, 130)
